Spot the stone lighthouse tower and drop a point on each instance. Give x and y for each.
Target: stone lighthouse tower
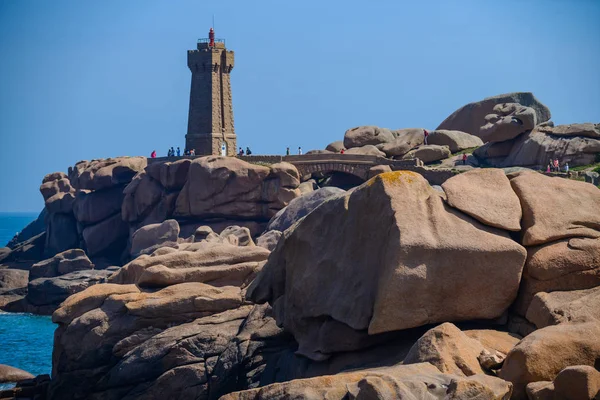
(210, 119)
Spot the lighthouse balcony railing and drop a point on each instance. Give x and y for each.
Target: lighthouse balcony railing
(207, 40)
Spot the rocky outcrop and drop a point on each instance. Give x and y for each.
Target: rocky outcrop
(486, 195)
(367, 150)
(44, 295)
(335, 147)
(544, 353)
(212, 191)
(12, 374)
(572, 383)
(455, 140)
(414, 240)
(220, 264)
(418, 381)
(561, 226)
(559, 307)
(301, 206)
(84, 207)
(576, 144)
(448, 349)
(428, 153)
(507, 121)
(471, 117)
(367, 135)
(406, 140)
(150, 237)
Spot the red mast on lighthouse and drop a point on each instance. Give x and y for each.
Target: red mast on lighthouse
(211, 38)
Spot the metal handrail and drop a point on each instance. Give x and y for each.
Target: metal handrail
(207, 40)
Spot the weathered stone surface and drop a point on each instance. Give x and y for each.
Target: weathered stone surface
(219, 264)
(238, 235)
(141, 195)
(556, 208)
(62, 263)
(228, 187)
(493, 340)
(449, 349)
(455, 140)
(536, 148)
(307, 187)
(109, 235)
(301, 206)
(109, 341)
(416, 381)
(367, 150)
(402, 281)
(153, 235)
(544, 353)
(12, 374)
(171, 175)
(586, 130)
(507, 121)
(406, 140)
(319, 152)
(378, 169)
(105, 173)
(13, 279)
(44, 295)
(364, 135)
(92, 207)
(471, 117)
(428, 153)
(268, 240)
(335, 147)
(569, 264)
(577, 382)
(563, 257)
(61, 234)
(559, 307)
(486, 195)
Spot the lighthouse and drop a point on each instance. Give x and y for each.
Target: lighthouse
(210, 119)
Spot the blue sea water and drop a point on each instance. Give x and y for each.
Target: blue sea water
(13, 223)
(25, 339)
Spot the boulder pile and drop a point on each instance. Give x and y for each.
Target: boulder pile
(391, 289)
(217, 278)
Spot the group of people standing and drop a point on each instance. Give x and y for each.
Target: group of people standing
(248, 152)
(287, 151)
(554, 166)
(175, 153)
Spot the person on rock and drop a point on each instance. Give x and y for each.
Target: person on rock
(556, 165)
(567, 168)
(178, 152)
(248, 152)
(153, 154)
(548, 168)
(241, 152)
(299, 150)
(287, 151)
(342, 151)
(464, 158)
(425, 135)
(193, 152)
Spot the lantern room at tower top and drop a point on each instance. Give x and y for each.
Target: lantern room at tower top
(211, 42)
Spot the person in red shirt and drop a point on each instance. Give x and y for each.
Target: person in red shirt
(153, 154)
(464, 158)
(425, 134)
(342, 151)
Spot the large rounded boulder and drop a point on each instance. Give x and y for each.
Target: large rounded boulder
(412, 262)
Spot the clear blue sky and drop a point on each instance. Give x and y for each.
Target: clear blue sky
(91, 79)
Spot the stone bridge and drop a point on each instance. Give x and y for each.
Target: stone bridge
(353, 164)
